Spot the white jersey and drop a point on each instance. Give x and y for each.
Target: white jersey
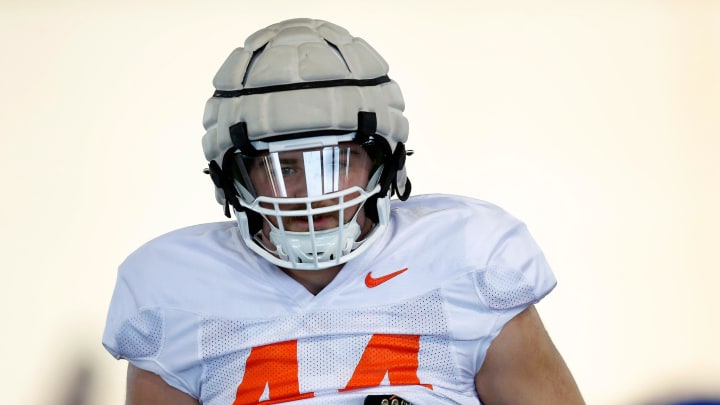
(412, 316)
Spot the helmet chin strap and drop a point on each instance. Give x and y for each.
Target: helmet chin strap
(315, 246)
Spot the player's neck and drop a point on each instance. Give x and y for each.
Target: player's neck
(314, 280)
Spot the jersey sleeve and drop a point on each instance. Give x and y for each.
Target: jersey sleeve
(517, 273)
(152, 336)
(516, 276)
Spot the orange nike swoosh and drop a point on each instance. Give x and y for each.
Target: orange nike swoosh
(373, 282)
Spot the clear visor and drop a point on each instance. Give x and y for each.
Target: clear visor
(305, 173)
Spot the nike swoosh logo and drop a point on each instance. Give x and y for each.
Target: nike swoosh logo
(372, 282)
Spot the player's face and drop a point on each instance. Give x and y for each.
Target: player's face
(312, 173)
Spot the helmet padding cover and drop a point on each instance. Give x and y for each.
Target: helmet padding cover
(299, 78)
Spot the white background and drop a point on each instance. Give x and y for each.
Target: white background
(596, 122)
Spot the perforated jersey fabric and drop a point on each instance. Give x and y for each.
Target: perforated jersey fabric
(225, 326)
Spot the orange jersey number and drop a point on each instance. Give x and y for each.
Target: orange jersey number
(276, 367)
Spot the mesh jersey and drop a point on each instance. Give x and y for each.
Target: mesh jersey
(412, 316)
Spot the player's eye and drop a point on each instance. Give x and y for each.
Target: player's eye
(288, 170)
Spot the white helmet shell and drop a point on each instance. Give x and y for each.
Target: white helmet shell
(301, 76)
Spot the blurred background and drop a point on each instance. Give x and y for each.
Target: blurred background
(595, 122)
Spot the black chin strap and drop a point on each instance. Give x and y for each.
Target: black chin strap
(224, 181)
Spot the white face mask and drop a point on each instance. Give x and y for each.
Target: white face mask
(311, 200)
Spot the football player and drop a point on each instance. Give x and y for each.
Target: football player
(324, 290)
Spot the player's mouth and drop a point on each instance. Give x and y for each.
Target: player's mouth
(320, 222)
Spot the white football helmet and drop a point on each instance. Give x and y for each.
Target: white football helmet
(305, 139)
